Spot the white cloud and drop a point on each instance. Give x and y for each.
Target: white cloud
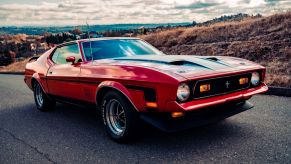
(75, 12)
(255, 3)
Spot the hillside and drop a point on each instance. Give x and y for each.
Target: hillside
(15, 67)
(265, 40)
(29, 30)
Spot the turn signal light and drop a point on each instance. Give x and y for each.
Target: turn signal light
(151, 104)
(243, 80)
(204, 87)
(177, 114)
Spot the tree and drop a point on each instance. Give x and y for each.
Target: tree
(77, 31)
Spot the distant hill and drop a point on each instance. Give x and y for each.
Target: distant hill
(99, 28)
(266, 40)
(30, 30)
(227, 18)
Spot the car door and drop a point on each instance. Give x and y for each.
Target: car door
(63, 76)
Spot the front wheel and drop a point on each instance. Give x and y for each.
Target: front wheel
(119, 117)
(42, 101)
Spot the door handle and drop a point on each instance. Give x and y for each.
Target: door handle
(50, 72)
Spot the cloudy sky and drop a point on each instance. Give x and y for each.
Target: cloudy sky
(76, 12)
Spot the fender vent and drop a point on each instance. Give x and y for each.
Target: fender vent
(149, 93)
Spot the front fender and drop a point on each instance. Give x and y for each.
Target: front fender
(136, 98)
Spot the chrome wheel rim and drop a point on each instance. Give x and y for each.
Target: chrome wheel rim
(39, 95)
(115, 117)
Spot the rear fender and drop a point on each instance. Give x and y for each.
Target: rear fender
(41, 81)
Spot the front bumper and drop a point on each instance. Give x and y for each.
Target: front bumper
(165, 122)
(174, 106)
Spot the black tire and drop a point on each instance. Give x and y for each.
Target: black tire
(130, 127)
(46, 104)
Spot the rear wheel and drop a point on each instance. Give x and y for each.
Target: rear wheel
(119, 117)
(42, 101)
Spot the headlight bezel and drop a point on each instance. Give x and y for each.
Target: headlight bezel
(255, 78)
(182, 88)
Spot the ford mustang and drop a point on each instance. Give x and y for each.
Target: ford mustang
(129, 80)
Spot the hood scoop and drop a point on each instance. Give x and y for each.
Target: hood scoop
(216, 60)
(212, 58)
(169, 63)
(179, 62)
(187, 63)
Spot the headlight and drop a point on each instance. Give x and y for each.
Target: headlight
(183, 92)
(255, 80)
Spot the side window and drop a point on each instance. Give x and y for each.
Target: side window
(63, 52)
(55, 55)
(87, 48)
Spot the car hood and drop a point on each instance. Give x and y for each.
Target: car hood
(185, 65)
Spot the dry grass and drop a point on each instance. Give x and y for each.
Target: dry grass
(263, 40)
(15, 67)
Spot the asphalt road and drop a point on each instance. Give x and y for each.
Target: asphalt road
(76, 135)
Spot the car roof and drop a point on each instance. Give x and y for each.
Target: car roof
(105, 38)
(96, 39)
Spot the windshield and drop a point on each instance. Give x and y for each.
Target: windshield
(103, 49)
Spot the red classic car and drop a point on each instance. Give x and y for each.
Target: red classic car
(129, 80)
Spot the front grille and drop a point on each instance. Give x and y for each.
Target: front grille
(221, 85)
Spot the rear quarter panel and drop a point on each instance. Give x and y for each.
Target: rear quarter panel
(37, 70)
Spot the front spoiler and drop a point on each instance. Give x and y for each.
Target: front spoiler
(164, 122)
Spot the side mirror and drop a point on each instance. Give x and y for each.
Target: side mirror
(71, 59)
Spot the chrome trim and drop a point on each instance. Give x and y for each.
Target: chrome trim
(39, 95)
(115, 117)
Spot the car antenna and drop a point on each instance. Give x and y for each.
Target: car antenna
(88, 32)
